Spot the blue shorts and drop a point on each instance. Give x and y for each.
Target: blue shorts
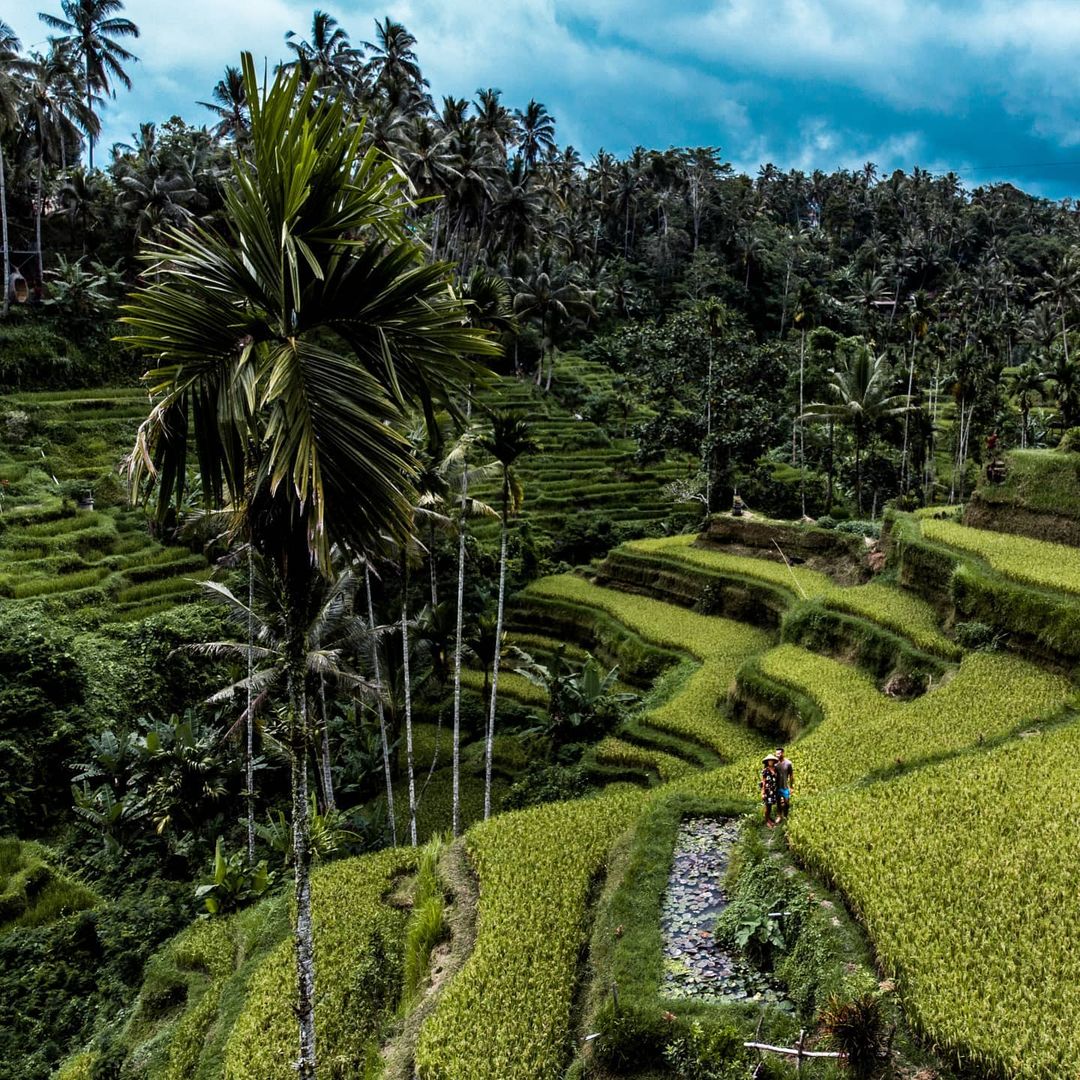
(785, 793)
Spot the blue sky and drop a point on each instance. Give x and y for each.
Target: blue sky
(987, 88)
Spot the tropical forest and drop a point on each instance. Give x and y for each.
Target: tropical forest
(418, 539)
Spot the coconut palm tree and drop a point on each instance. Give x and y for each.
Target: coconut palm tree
(1027, 383)
(508, 442)
(535, 132)
(53, 112)
(393, 69)
(12, 87)
(328, 57)
(229, 105)
(494, 119)
(860, 389)
(286, 347)
(92, 29)
(552, 300)
(1061, 287)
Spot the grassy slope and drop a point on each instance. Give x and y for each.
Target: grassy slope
(1034, 562)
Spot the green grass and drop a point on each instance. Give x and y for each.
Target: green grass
(1020, 558)
(1044, 481)
(64, 583)
(796, 579)
(720, 645)
(33, 891)
(961, 874)
(863, 733)
(359, 943)
(615, 751)
(897, 610)
(888, 606)
(507, 1012)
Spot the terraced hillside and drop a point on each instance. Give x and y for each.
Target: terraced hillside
(55, 449)
(904, 804)
(584, 478)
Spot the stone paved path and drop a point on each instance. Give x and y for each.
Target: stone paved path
(694, 967)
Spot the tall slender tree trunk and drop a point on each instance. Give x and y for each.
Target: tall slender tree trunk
(380, 709)
(329, 803)
(455, 813)
(432, 567)
(303, 934)
(89, 107)
(489, 748)
(249, 749)
(858, 472)
(4, 236)
(708, 431)
(40, 210)
(408, 697)
(907, 417)
(832, 467)
(802, 423)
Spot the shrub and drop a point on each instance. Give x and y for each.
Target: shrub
(976, 635)
(856, 1028)
(1070, 441)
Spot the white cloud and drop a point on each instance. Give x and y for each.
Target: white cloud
(626, 71)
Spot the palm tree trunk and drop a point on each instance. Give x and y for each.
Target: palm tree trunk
(550, 370)
(489, 748)
(380, 708)
(90, 109)
(4, 236)
(408, 697)
(431, 564)
(708, 431)
(832, 467)
(802, 423)
(455, 812)
(907, 417)
(303, 934)
(329, 802)
(858, 470)
(39, 210)
(249, 749)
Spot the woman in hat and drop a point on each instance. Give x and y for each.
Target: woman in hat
(769, 788)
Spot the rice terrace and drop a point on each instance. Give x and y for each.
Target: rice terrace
(473, 608)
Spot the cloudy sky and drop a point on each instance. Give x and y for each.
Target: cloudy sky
(987, 88)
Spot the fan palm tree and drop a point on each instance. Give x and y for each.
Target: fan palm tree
(92, 29)
(286, 348)
(862, 398)
(508, 442)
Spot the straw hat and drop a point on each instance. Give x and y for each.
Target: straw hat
(769, 757)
